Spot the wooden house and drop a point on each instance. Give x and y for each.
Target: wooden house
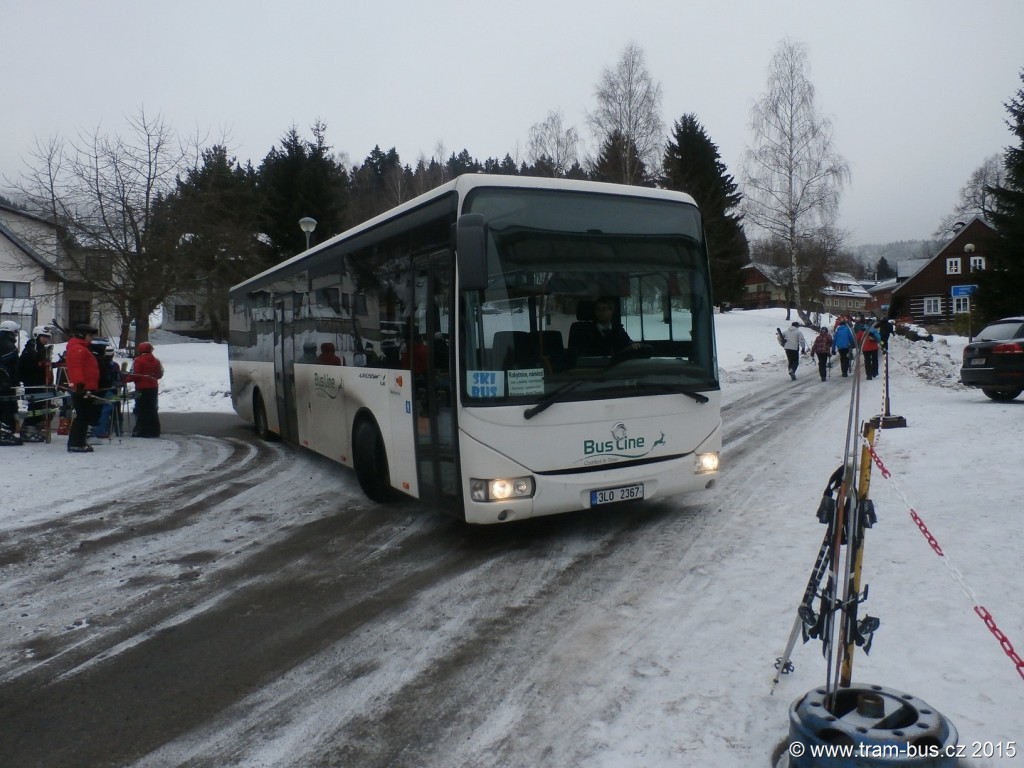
(941, 287)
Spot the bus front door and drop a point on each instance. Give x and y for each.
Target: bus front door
(284, 366)
(434, 397)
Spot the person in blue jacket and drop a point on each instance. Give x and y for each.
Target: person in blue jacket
(843, 342)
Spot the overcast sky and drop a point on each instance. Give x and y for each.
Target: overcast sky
(915, 88)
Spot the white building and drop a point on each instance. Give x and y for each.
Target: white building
(32, 286)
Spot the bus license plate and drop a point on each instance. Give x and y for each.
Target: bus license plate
(610, 495)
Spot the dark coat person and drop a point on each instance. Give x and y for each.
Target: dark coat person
(602, 336)
(9, 331)
(34, 367)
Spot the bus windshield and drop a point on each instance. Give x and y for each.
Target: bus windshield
(588, 296)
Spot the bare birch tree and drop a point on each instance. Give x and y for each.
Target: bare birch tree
(629, 104)
(976, 198)
(792, 175)
(554, 145)
(105, 191)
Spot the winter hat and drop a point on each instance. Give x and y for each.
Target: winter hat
(84, 329)
(145, 346)
(796, 324)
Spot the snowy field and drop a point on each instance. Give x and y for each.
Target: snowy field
(957, 465)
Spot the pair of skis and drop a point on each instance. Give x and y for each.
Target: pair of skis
(847, 512)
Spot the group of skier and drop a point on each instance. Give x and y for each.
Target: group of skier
(87, 375)
(847, 336)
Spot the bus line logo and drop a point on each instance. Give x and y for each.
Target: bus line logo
(325, 386)
(621, 445)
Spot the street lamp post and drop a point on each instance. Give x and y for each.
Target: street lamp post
(307, 225)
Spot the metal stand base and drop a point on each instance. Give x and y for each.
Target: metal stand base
(888, 422)
(868, 725)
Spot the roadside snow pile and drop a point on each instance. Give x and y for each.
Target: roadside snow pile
(937, 362)
(752, 370)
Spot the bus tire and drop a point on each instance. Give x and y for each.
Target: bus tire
(259, 417)
(371, 462)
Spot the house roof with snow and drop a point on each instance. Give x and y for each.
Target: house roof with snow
(883, 285)
(843, 284)
(776, 275)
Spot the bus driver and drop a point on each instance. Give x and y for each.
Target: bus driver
(602, 336)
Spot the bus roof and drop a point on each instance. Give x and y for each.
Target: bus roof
(462, 185)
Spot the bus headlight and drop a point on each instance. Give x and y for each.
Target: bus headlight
(706, 462)
(501, 488)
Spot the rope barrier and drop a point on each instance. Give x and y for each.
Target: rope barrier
(979, 609)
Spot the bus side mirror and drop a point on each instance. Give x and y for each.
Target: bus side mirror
(471, 250)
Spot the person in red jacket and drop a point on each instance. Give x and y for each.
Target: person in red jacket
(869, 340)
(146, 373)
(83, 372)
(328, 355)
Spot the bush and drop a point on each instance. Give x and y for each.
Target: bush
(962, 325)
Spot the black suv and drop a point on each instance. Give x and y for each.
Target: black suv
(994, 361)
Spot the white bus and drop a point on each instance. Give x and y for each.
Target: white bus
(468, 367)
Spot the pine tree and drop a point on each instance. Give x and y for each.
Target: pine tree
(301, 179)
(211, 221)
(884, 270)
(692, 164)
(462, 163)
(619, 162)
(378, 185)
(1001, 285)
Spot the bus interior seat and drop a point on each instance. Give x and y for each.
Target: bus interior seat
(580, 332)
(552, 350)
(515, 349)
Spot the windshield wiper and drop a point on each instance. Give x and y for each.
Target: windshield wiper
(674, 390)
(555, 396)
(551, 399)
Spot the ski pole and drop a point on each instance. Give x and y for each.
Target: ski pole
(782, 664)
(90, 395)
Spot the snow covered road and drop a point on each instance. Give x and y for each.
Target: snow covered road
(243, 604)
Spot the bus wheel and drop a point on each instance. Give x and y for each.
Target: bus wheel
(371, 462)
(259, 415)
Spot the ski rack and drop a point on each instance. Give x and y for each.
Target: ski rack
(847, 512)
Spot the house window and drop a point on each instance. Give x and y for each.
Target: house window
(360, 304)
(98, 266)
(10, 290)
(961, 305)
(79, 312)
(953, 266)
(184, 313)
(977, 263)
(932, 305)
